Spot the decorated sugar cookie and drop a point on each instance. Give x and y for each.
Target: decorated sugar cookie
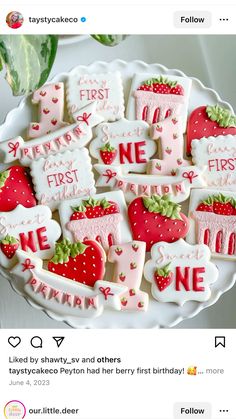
(101, 217)
(125, 143)
(8, 248)
(106, 89)
(50, 101)
(60, 296)
(171, 144)
(177, 187)
(32, 227)
(129, 261)
(81, 262)
(180, 272)
(153, 97)
(218, 154)
(153, 219)
(213, 221)
(16, 188)
(209, 121)
(73, 137)
(62, 176)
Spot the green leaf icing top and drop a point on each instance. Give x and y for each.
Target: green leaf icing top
(221, 198)
(161, 80)
(107, 147)
(65, 249)
(3, 177)
(9, 240)
(163, 206)
(164, 271)
(91, 202)
(222, 116)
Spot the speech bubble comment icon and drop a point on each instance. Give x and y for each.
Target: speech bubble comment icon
(14, 409)
(36, 342)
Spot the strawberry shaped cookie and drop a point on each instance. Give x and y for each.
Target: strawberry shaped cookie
(213, 221)
(9, 246)
(81, 262)
(209, 121)
(96, 220)
(153, 219)
(15, 189)
(163, 277)
(108, 153)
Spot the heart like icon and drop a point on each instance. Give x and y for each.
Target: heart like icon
(14, 341)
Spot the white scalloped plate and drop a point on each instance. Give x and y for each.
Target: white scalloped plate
(158, 314)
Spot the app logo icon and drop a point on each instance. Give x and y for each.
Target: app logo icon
(14, 20)
(14, 409)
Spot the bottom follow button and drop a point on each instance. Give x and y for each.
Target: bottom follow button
(192, 410)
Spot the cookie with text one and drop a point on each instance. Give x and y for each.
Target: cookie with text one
(218, 154)
(212, 216)
(129, 261)
(106, 89)
(154, 97)
(124, 143)
(102, 217)
(180, 272)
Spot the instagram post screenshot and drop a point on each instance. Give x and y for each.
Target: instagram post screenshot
(117, 210)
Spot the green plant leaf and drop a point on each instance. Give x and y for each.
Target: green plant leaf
(28, 60)
(109, 40)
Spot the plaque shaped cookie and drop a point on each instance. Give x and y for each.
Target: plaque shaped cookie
(33, 228)
(180, 272)
(62, 176)
(153, 97)
(212, 216)
(106, 89)
(102, 217)
(218, 154)
(124, 143)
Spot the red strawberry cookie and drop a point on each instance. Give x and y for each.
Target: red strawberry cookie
(214, 221)
(9, 246)
(209, 121)
(108, 153)
(81, 262)
(15, 189)
(156, 218)
(180, 272)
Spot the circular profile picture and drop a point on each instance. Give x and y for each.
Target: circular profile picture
(14, 409)
(14, 20)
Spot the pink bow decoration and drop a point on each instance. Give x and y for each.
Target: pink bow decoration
(13, 148)
(106, 292)
(27, 265)
(84, 118)
(189, 175)
(109, 174)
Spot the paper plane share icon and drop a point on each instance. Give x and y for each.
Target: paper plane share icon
(58, 340)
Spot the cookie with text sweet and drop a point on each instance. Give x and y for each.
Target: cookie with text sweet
(62, 176)
(73, 137)
(125, 143)
(180, 272)
(60, 296)
(50, 101)
(16, 189)
(170, 139)
(209, 121)
(104, 88)
(102, 217)
(177, 187)
(128, 259)
(33, 228)
(218, 154)
(156, 218)
(212, 217)
(154, 97)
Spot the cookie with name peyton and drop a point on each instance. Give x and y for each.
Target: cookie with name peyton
(60, 296)
(104, 88)
(124, 143)
(102, 217)
(156, 218)
(154, 97)
(218, 154)
(212, 216)
(209, 121)
(180, 272)
(33, 228)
